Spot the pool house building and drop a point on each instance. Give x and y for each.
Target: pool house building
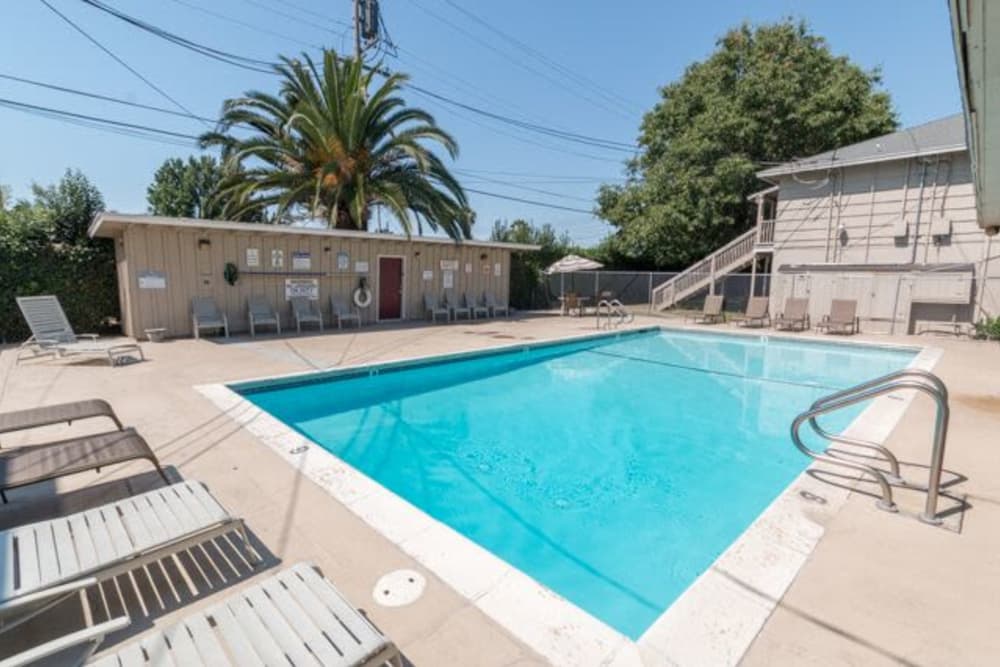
(163, 263)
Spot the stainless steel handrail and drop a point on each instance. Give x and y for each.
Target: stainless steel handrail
(614, 308)
(908, 379)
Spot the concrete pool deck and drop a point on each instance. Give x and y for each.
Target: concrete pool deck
(877, 589)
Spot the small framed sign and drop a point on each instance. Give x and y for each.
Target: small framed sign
(301, 261)
(277, 259)
(302, 287)
(343, 261)
(361, 267)
(468, 267)
(448, 279)
(152, 280)
(428, 274)
(497, 269)
(253, 258)
(449, 265)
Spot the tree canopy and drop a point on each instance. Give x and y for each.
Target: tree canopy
(185, 189)
(67, 208)
(767, 94)
(334, 143)
(526, 281)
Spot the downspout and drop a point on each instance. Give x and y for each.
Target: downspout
(920, 207)
(829, 217)
(871, 211)
(937, 174)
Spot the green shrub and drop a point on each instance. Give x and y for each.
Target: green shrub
(989, 328)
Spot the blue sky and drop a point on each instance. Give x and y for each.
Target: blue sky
(600, 67)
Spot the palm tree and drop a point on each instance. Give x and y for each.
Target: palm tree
(324, 148)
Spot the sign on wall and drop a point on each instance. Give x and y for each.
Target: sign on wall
(468, 267)
(301, 260)
(497, 269)
(343, 261)
(449, 265)
(253, 257)
(428, 274)
(361, 267)
(448, 279)
(302, 287)
(152, 280)
(277, 259)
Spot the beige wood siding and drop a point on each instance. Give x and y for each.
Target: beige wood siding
(195, 268)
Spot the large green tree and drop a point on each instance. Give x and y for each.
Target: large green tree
(68, 207)
(185, 188)
(334, 143)
(526, 280)
(768, 93)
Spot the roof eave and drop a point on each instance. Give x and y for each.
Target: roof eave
(802, 167)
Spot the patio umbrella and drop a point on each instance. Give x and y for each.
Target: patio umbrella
(570, 264)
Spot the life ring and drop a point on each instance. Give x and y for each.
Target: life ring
(362, 297)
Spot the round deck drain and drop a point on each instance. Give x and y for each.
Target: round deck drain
(399, 588)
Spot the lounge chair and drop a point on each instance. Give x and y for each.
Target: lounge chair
(304, 311)
(757, 313)
(454, 304)
(432, 308)
(31, 464)
(206, 315)
(476, 309)
(47, 415)
(711, 312)
(795, 317)
(843, 317)
(51, 333)
(342, 312)
(495, 306)
(293, 617)
(260, 312)
(49, 561)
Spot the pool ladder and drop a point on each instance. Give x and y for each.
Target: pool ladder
(615, 312)
(918, 380)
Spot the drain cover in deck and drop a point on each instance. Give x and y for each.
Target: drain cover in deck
(399, 588)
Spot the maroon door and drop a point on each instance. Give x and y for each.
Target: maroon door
(390, 288)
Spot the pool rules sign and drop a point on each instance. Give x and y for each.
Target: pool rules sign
(302, 287)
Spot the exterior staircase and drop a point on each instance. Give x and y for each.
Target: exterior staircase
(731, 257)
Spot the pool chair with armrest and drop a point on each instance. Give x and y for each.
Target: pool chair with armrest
(305, 311)
(206, 315)
(260, 312)
(432, 308)
(51, 333)
(711, 312)
(756, 315)
(454, 304)
(475, 308)
(294, 617)
(343, 313)
(495, 306)
(843, 317)
(795, 317)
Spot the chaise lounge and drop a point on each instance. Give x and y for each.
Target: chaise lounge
(795, 317)
(51, 333)
(843, 317)
(756, 315)
(711, 312)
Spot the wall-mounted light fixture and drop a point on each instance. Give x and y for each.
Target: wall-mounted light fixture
(483, 256)
(204, 243)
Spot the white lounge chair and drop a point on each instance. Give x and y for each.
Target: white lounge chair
(711, 312)
(454, 304)
(343, 313)
(260, 312)
(432, 308)
(475, 308)
(51, 333)
(46, 562)
(305, 311)
(795, 317)
(843, 317)
(495, 306)
(206, 315)
(295, 617)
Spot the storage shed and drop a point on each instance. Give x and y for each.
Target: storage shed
(163, 262)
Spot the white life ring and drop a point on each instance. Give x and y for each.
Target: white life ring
(362, 297)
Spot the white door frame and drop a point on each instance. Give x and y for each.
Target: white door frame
(402, 287)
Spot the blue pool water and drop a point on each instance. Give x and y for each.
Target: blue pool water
(613, 471)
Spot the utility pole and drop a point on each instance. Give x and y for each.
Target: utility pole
(357, 30)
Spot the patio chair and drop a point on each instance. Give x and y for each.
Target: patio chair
(432, 308)
(343, 313)
(711, 312)
(30, 464)
(475, 308)
(51, 333)
(293, 617)
(757, 313)
(843, 317)
(795, 317)
(495, 306)
(571, 302)
(46, 415)
(260, 312)
(304, 311)
(47, 562)
(206, 315)
(454, 304)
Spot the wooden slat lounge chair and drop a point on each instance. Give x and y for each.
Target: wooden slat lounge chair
(206, 315)
(454, 304)
(711, 312)
(432, 308)
(843, 317)
(475, 308)
(495, 306)
(30, 464)
(51, 333)
(795, 317)
(295, 617)
(46, 562)
(260, 312)
(343, 313)
(46, 415)
(305, 311)
(757, 313)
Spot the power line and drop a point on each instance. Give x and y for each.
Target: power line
(117, 59)
(523, 187)
(528, 201)
(245, 24)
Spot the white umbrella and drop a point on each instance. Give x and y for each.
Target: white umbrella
(570, 264)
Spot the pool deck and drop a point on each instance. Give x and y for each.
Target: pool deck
(877, 589)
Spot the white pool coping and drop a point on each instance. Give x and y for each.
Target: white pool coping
(712, 622)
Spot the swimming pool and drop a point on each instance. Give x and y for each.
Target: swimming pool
(612, 470)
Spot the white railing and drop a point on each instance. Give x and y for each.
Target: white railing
(765, 233)
(727, 258)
